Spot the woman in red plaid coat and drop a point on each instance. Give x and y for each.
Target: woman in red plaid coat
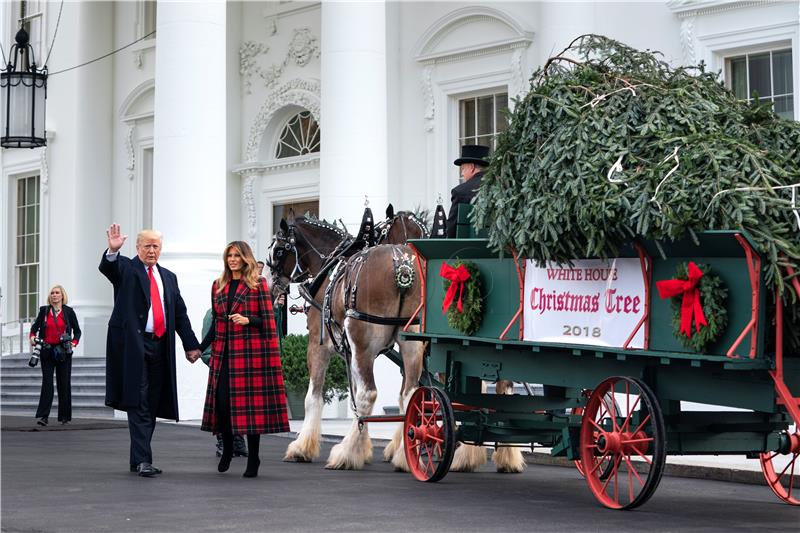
(245, 394)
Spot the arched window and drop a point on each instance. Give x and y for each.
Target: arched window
(300, 136)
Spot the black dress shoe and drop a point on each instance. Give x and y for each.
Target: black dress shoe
(42, 421)
(134, 468)
(147, 470)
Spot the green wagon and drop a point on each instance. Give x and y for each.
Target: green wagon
(617, 408)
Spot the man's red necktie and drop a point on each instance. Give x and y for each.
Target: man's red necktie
(159, 328)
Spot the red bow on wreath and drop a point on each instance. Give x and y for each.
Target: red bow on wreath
(458, 277)
(690, 306)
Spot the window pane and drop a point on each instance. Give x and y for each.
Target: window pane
(739, 77)
(31, 194)
(29, 250)
(20, 229)
(33, 281)
(760, 82)
(31, 307)
(501, 104)
(485, 115)
(36, 218)
(784, 106)
(30, 220)
(782, 71)
(23, 306)
(21, 192)
(486, 140)
(20, 250)
(467, 112)
(36, 249)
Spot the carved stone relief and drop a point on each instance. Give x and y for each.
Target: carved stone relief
(427, 95)
(248, 52)
(44, 175)
(687, 41)
(130, 166)
(303, 93)
(249, 203)
(303, 46)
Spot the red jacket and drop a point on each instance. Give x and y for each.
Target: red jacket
(258, 401)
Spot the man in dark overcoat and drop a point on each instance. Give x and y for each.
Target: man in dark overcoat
(140, 347)
(471, 165)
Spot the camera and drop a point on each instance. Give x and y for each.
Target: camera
(36, 352)
(66, 344)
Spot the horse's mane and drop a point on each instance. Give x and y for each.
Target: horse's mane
(312, 220)
(422, 215)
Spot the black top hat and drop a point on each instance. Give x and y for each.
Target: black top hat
(473, 153)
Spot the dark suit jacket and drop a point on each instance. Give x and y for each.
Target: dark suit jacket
(40, 323)
(461, 194)
(125, 343)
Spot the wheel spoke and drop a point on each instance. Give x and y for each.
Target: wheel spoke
(597, 426)
(599, 463)
(630, 414)
(791, 463)
(611, 411)
(791, 476)
(616, 466)
(635, 473)
(643, 456)
(639, 428)
(632, 441)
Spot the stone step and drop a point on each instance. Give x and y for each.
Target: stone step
(15, 391)
(28, 394)
(18, 379)
(24, 369)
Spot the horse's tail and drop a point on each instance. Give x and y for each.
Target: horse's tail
(404, 272)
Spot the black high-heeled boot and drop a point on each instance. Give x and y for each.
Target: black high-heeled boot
(227, 452)
(253, 462)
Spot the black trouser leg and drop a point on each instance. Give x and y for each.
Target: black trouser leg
(142, 419)
(63, 382)
(46, 396)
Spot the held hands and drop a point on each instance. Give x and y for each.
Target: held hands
(238, 319)
(192, 355)
(115, 238)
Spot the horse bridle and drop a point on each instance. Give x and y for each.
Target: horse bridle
(382, 228)
(284, 244)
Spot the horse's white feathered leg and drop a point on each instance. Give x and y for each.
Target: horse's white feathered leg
(507, 460)
(355, 450)
(468, 458)
(306, 447)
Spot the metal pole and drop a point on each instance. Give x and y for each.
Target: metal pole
(20, 336)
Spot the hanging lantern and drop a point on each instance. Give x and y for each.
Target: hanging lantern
(23, 91)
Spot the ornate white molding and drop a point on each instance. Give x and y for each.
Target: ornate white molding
(248, 51)
(287, 163)
(299, 92)
(687, 41)
(470, 52)
(130, 166)
(434, 35)
(249, 204)
(690, 8)
(516, 86)
(427, 95)
(303, 46)
(44, 173)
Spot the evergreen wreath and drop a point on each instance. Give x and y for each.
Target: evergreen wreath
(468, 321)
(713, 295)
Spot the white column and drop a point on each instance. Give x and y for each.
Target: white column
(354, 125)
(189, 170)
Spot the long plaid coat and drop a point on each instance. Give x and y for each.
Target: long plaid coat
(258, 401)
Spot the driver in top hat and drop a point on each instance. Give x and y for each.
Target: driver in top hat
(471, 165)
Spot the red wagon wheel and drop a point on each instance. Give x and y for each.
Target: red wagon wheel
(607, 467)
(629, 433)
(782, 479)
(429, 431)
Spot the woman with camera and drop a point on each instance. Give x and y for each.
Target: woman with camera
(55, 332)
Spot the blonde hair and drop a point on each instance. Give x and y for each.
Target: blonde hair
(63, 294)
(149, 234)
(249, 270)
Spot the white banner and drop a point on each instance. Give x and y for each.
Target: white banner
(593, 302)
